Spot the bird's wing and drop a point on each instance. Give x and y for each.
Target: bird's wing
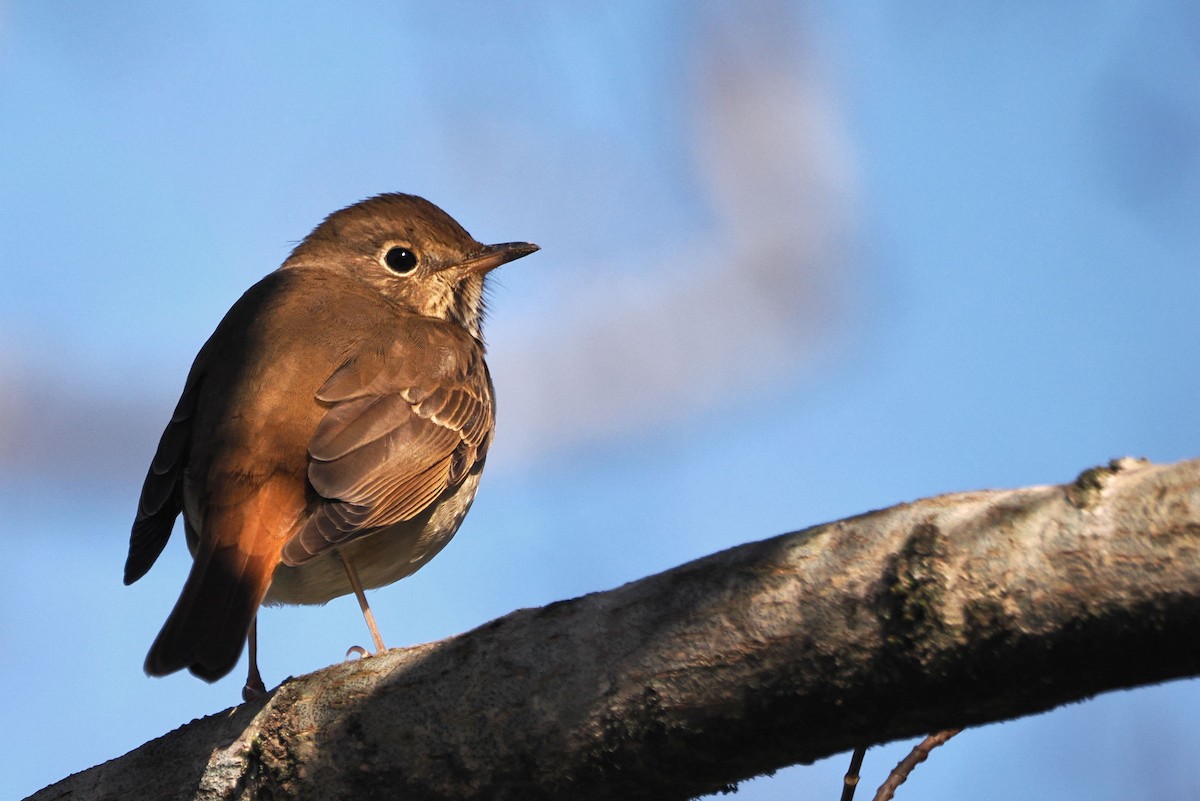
(404, 424)
(162, 492)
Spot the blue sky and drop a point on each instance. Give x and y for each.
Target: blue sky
(799, 261)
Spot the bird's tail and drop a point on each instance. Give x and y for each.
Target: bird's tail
(235, 559)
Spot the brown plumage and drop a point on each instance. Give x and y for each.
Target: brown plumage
(333, 426)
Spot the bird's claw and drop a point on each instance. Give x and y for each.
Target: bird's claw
(253, 692)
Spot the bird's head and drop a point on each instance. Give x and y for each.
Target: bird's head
(413, 253)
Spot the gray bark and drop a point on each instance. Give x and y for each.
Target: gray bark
(950, 611)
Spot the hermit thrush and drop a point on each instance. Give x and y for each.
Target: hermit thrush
(331, 432)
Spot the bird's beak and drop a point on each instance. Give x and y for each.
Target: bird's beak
(492, 256)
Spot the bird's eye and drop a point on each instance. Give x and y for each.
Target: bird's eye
(401, 261)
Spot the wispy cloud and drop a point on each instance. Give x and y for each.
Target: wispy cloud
(675, 331)
(758, 299)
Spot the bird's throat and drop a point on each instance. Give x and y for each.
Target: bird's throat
(467, 306)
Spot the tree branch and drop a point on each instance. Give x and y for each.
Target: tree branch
(950, 611)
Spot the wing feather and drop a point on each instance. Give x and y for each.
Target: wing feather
(404, 424)
(161, 500)
(354, 424)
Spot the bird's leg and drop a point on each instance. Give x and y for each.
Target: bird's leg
(254, 688)
(352, 574)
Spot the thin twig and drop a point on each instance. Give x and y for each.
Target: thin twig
(915, 757)
(851, 781)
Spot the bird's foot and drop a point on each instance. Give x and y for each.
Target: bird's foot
(254, 690)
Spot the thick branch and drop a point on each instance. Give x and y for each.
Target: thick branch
(950, 611)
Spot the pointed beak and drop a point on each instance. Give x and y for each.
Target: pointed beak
(492, 256)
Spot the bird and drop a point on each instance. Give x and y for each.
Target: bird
(331, 432)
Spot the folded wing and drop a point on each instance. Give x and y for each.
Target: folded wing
(405, 423)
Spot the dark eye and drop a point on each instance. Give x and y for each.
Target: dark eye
(400, 260)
